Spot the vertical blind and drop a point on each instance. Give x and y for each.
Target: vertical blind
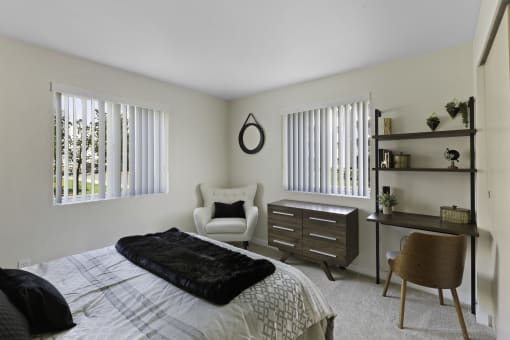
(326, 150)
(106, 149)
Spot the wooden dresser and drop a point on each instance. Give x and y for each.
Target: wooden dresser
(323, 233)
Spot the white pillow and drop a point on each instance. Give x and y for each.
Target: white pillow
(211, 195)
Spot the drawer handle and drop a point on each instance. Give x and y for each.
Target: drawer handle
(321, 252)
(282, 213)
(284, 243)
(322, 236)
(322, 219)
(283, 228)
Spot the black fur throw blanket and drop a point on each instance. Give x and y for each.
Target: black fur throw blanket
(199, 267)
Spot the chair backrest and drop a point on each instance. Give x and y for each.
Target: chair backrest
(435, 261)
(231, 195)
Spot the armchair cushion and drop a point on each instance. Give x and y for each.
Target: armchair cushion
(229, 225)
(211, 195)
(235, 209)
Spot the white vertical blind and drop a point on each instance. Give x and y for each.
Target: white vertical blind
(132, 150)
(326, 150)
(83, 132)
(116, 148)
(124, 171)
(102, 149)
(74, 109)
(66, 146)
(57, 104)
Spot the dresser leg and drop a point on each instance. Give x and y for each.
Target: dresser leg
(325, 267)
(285, 257)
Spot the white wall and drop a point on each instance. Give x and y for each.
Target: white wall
(30, 226)
(409, 90)
(492, 83)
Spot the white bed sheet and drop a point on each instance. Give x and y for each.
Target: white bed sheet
(111, 298)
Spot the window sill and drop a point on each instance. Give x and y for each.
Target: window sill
(330, 194)
(95, 198)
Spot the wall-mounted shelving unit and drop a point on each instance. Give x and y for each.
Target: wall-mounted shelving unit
(427, 222)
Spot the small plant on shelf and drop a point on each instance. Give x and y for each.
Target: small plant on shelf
(388, 201)
(452, 108)
(463, 109)
(433, 121)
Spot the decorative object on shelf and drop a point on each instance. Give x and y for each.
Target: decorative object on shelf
(402, 161)
(251, 136)
(387, 126)
(385, 158)
(464, 110)
(433, 121)
(452, 156)
(452, 108)
(388, 201)
(454, 214)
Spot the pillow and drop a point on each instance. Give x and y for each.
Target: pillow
(44, 307)
(211, 195)
(235, 209)
(13, 324)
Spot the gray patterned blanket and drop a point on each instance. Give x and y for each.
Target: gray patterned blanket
(111, 298)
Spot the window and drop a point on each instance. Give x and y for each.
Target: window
(326, 150)
(107, 149)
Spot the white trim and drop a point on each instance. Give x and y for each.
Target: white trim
(105, 96)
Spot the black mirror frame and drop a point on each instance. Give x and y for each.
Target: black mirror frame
(261, 133)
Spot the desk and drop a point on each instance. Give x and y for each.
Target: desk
(427, 223)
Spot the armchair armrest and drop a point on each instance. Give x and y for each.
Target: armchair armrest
(201, 216)
(252, 216)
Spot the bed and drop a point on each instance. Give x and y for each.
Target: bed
(111, 298)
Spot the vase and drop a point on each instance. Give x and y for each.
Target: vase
(387, 210)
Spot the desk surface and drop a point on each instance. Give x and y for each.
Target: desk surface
(423, 222)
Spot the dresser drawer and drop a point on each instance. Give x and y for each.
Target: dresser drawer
(324, 223)
(284, 241)
(332, 235)
(284, 215)
(324, 250)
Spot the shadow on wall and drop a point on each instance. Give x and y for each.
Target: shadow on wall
(487, 262)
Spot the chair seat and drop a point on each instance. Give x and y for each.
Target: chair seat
(229, 225)
(391, 255)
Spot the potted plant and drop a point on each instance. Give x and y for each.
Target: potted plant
(463, 109)
(452, 108)
(433, 121)
(388, 201)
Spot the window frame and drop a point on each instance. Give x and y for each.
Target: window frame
(369, 150)
(79, 92)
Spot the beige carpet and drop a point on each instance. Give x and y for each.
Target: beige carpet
(362, 312)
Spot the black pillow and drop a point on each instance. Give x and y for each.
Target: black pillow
(44, 307)
(235, 209)
(13, 324)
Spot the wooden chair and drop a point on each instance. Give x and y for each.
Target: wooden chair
(435, 261)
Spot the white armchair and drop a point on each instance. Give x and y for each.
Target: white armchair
(227, 228)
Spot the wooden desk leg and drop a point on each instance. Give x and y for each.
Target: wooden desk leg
(325, 267)
(473, 275)
(285, 257)
(377, 278)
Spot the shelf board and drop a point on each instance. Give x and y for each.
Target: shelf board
(430, 134)
(426, 169)
(423, 222)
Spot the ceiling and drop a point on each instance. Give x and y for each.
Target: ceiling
(234, 48)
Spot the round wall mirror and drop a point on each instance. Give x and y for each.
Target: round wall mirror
(251, 137)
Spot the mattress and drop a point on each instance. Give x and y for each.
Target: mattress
(111, 298)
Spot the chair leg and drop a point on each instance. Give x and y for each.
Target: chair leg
(441, 300)
(459, 314)
(387, 283)
(402, 303)
(245, 244)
